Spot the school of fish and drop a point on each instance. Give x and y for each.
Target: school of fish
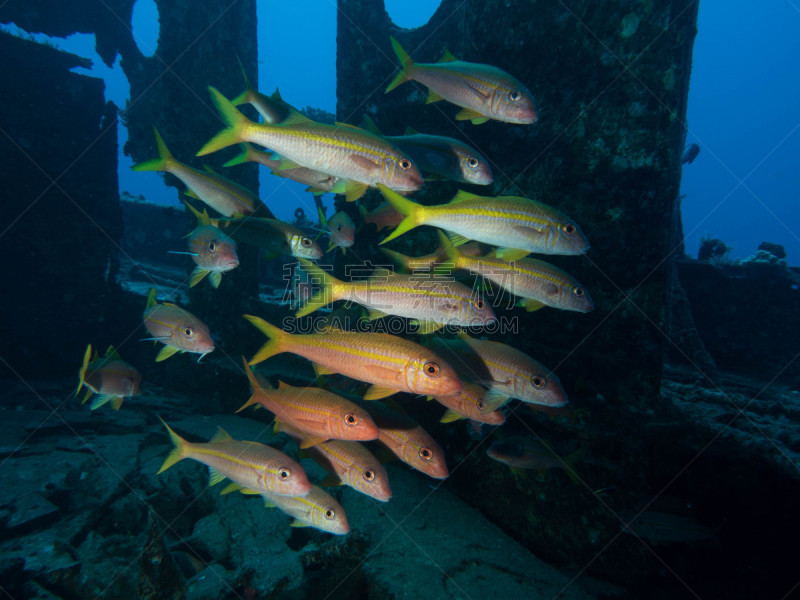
(471, 378)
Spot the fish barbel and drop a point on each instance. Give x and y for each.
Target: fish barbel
(110, 377)
(360, 158)
(316, 509)
(390, 363)
(252, 467)
(176, 328)
(484, 92)
(504, 221)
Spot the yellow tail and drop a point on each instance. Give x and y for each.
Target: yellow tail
(411, 210)
(235, 121)
(163, 163)
(178, 452)
(82, 373)
(273, 345)
(330, 292)
(405, 65)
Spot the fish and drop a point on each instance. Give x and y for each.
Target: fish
(430, 301)
(317, 509)
(520, 453)
(213, 251)
(360, 158)
(221, 194)
(507, 372)
(110, 378)
(691, 152)
(176, 328)
(483, 91)
(390, 363)
(408, 441)
(504, 221)
(340, 228)
(252, 467)
(469, 404)
(273, 236)
(660, 527)
(439, 156)
(273, 109)
(408, 264)
(318, 182)
(319, 414)
(538, 283)
(349, 463)
(385, 215)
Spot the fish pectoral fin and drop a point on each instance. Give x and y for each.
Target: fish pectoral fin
(311, 441)
(479, 94)
(492, 400)
(215, 278)
(525, 230)
(331, 480)
(469, 114)
(231, 487)
(450, 415)
(377, 392)
(530, 304)
(353, 190)
(433, 97)
(197, 276)
(369, 165)
(166, 352)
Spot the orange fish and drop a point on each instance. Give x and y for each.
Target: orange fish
(319, 414)
(385, 215)
(318, 509)
(110, 377)
(469, 404)
(178, 329)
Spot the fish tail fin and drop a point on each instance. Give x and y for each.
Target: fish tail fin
(411, 210)
(202, 217)
(82, 373)
(241, 158)
(273, 345)
(151, 298)
(164, 162)
(234, 120)
(400, 260)
(330, 292)
(405, 65)
(243, 98)
(255, 386)
(178, 452)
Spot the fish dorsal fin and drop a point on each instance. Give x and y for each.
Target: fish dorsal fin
(348, 125)
(295, 118)
(276, 95)
(382, 272)
(369, 125)
(209, 169)
(220, 436)
(283, 385)
(463, 196)
(447, 57)
(411, 131)
(192, 194)
(112, 353)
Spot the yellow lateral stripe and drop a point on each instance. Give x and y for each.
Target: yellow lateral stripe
(204, 450)
(342, 459)
(163, 323)
(380, 288)
(377, 355)
(326, 140)
(293, 403)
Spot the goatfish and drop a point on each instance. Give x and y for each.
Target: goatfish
(360, 158)
(348, 463)
(385, 215)
(319, 414)
(520, 453)
(504, 221)
(110, 377)
(432, 302)
(273, 109)
(221, 194)
(388, 362)
(508, 372)
(212, 251)
(340, 229)
(538, 283)
(176, 328)
(318, 183)
(408, 441)
(409, 264)
(484, 92)
(316, 509)
(252, 467)
(440, 157)
(271, 235)
(469, 404)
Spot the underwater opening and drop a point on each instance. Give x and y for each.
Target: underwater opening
(145, 26)
(410, 14)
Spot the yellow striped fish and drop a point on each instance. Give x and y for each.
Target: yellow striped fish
(538, 283)
(505, 221)
(252, 467)
(110, 377)
(273, 109)
(271, 235)
(360, 158)
(319, 414)
(317, 509)
(349, 463)
(221, 194)
(211, 250)
(390, 363)
(178, 329)
(430, 300)
(469, 404)
(508, 372)
(485, 92)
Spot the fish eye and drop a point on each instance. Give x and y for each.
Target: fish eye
(538, 381)
(212, 245)
(188, 332)
(330, 514)
(479, 304)
(569, 228)
(284, 474)
(431, 369)
(425, 453)
(481, 405)
(472, 162)
(515, 96)
(369, 475)
(405, 164)
(578, 292)
(306, 242)
(338, 228)
(351, 419)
